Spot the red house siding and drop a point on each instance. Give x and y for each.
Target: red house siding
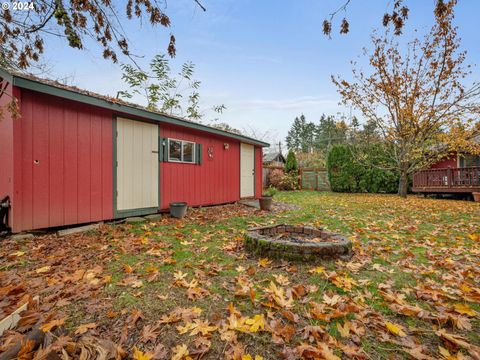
(215, 181)
(446, 163)
(66, 163)
(6, 146)
(258, 171)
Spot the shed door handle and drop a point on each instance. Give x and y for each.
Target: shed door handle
(154, 151)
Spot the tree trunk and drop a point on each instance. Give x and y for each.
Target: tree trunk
(403, 183)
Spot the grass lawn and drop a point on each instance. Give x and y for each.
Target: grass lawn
(186, 288)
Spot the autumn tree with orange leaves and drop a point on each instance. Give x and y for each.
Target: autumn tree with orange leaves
(417, 97)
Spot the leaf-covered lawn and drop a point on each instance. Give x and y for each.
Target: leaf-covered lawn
(186, 288)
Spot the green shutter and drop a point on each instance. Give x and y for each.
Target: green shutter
(198, 155)
(162, 149)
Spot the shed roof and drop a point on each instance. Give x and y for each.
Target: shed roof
(51, 87)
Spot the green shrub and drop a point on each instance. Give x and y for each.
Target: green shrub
(291, 162)
(347, 174)
(270, 191)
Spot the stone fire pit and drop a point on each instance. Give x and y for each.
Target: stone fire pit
(297, 243)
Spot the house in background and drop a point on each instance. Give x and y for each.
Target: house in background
(76, 157)
(275, 159)
(271, 161)
(455, 174)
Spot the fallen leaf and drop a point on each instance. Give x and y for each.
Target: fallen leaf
(140, 355)
(43, 269)
(82, 329)
(52, 324)
(395, 329)
(179, 352)
(464, 309)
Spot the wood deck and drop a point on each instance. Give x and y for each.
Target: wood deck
(448, 180)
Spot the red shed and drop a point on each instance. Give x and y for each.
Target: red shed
(76, 157)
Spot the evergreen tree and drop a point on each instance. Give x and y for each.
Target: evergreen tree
(330, 131)
(291, 163)
(301, 136)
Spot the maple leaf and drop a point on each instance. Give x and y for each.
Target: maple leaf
(444, 352)
(264, 262)
(82, 329)
(464, 309)
(185, 328)
(26, 348)
(140, 355)
(134, 317)
(237, 323)
(202, 327)
(317, 270)
(417, 353)
(149, 333)
(195, 293)
(327, 352)
(474, 237)
(256, 323)
(180, 352)
(455, 339)
(159, 352)
(249, 357)
(127, 268)
(179, 275)
(202, 344)
(344, 283)
(52, 324)
(240, 269)
(395, 329)
(344, 330)
(278, 295)
(313, 332)
(331, 301)
(281, 279)
(281, 333)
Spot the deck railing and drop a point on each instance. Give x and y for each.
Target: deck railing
(453, 178)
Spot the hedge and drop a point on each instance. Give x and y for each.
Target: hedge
(346, 174)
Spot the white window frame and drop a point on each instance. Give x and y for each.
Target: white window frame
(181, 151)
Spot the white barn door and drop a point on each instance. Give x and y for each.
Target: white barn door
(247, 170)
(137, 165)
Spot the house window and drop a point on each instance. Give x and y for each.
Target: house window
(181, 151)
(469, 161)
(187, 151)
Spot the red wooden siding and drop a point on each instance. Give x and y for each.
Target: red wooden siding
(258, 171)
(215, 181)
(446, 163)
(66, 157)
(6, 146)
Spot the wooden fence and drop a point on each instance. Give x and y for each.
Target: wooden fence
(314, 179)
(310, 178)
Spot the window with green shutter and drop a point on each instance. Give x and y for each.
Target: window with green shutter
(180, 151)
